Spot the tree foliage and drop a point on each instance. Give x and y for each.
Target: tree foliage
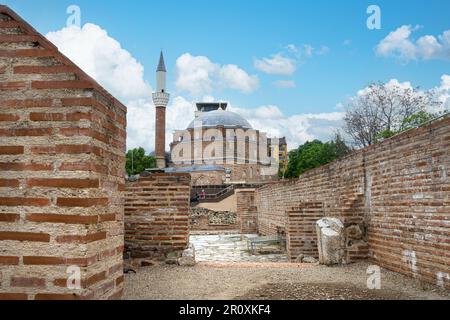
(413, 121)
(137, 161)
(381, 110)
(315, 154)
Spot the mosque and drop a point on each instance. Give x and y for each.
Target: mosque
(218, 147)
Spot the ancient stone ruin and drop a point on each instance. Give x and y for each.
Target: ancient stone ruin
(67, 213)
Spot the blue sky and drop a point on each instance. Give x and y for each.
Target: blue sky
(235, 32)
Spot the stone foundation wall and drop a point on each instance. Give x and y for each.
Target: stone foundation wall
(396, 194)
(157, 215)
(62, 156)
(203, 219)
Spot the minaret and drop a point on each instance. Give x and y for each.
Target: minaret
(160, 100)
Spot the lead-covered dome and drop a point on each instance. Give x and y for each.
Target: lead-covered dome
(220, 118)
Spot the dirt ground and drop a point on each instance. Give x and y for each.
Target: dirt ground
(260, 281)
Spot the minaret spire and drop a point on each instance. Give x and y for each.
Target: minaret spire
(161, 64)
(160, 100)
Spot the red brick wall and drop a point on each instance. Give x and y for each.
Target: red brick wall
(301, 235)
(62, 155)
(246, 211)
(157, 215)
(398, 191)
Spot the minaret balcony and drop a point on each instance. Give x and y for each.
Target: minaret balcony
(161, 99)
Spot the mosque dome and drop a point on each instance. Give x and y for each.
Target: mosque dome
(220, 117)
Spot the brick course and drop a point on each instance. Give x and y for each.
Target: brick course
(397, 192)
(157, 215)
(62, 158)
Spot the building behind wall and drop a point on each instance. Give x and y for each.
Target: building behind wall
(221, 147)
(278, 151)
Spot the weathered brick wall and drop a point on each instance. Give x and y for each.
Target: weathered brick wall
(301, 235)
(408, 190)
(397, 192)
(157, 215)
(62, 155)
(246, 211)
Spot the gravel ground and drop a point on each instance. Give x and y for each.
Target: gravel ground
(270, 281)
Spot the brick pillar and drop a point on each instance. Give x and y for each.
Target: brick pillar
(157, 215)
(62, 160)
(246, 211)
(160, 137)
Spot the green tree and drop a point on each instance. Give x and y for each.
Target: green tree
(137, 161)
(315, 154)
(413, 121)
(340, 146)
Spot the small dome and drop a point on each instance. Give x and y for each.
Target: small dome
(220, 118)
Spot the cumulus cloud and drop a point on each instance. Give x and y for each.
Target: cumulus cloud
(194, 74)
(400, 44)
(443, 93)
(440, 93)
(285, 63)
(297, 128)
(391, 84)
(104, 59)
(141, 121)
(199, 75)
(235, 78)
(276, 64)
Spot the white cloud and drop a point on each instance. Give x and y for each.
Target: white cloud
(297, 128)
(103, 58)
(285, 83)
(399, 44)
(292, 48)
(306, 51)
(286, 63)
(391, 84)
(445, 82)
(199, 75)
(277, 64)
(141, 121)
(443, 92)
(235, 78)
(140, 124)
(194, 74)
